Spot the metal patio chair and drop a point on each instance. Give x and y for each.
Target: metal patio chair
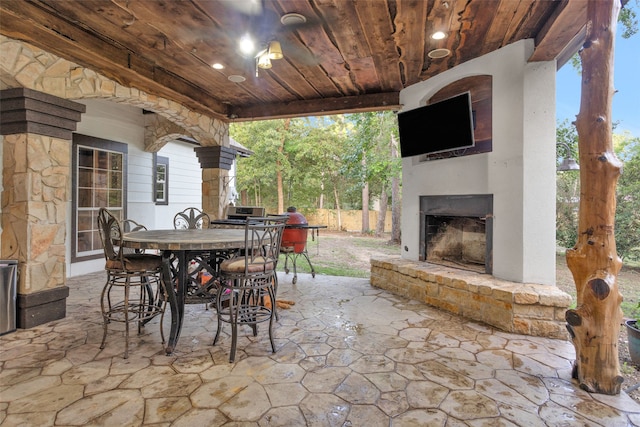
(248, 280)
(134, 291)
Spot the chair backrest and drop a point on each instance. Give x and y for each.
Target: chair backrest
(128, 226)
(191, 218)
(263, 237)
(110, 234)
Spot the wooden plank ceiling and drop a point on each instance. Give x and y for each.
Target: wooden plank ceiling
(349, 56)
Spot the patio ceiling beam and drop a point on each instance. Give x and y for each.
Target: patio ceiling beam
(317, 107)
(559, 33)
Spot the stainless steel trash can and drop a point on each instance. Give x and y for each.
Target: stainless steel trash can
(8, 284)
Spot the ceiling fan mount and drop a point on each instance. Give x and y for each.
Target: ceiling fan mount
(273, 51)
(263, 42)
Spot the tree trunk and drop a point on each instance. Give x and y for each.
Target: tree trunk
(382, 213)
(365, 208)
(395, 197)
(321, 202)
(287, 122)
(337, 200)
(595, 323)
(256, 201)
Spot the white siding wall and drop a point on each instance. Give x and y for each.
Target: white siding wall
(123, 123)
(185, 182)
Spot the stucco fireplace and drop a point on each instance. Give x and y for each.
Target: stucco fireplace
(514, 220)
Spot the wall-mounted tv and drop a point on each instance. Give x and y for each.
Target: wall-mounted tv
(435, 128)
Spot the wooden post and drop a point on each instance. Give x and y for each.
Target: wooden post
(595, 323)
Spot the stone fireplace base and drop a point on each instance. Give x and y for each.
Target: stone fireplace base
(523, 308)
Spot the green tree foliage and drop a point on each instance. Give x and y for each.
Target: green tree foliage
(629, 18)
(567, 186)
(369, 159)
(310, 161)
(316, 152)
(256, 174)
(628, 23)
(321, 161)
(628, 198)
(627, 226)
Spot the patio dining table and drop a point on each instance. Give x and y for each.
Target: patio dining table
(185, 245)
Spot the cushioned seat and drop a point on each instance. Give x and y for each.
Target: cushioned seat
(237, 265)
(139, 262)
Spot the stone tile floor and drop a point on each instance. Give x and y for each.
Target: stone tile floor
(347, 355)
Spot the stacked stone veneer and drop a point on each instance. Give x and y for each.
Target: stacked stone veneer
(24, 65)
(36, 165)
(524, 308)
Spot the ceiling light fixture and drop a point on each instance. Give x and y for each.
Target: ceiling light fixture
(272, 52)
(247, 46)
(217, 66)
(438, 35)
(236, 78)
(439, 53)
(264, 62)
(275, 50)
(293, 19)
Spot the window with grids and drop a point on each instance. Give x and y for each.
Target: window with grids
(99, 182)
(161, 189)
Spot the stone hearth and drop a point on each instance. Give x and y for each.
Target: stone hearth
(524, 308)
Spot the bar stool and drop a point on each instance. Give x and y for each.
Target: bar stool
(249, 278)
(134, 291)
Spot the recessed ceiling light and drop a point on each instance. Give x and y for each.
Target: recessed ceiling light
(293, 19)
(247, 45)
(236, 78)
(438, 35)
(439, 53)
(218, 66)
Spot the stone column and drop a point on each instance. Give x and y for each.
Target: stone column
(36, 174)
(216, 162)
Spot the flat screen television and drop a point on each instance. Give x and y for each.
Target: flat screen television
(446, 125)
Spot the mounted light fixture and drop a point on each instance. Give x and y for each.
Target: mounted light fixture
(264, 62)
(568, 163)
(438, 35)
(275, 50)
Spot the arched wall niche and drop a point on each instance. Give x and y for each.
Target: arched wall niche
(480, 88)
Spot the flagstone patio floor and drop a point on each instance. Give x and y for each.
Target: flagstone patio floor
(347, 354)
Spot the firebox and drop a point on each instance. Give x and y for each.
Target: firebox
(456, 230)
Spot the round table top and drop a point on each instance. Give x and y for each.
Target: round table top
(189, 239)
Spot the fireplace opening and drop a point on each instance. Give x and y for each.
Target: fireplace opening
(457, 241)
(456, 231)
